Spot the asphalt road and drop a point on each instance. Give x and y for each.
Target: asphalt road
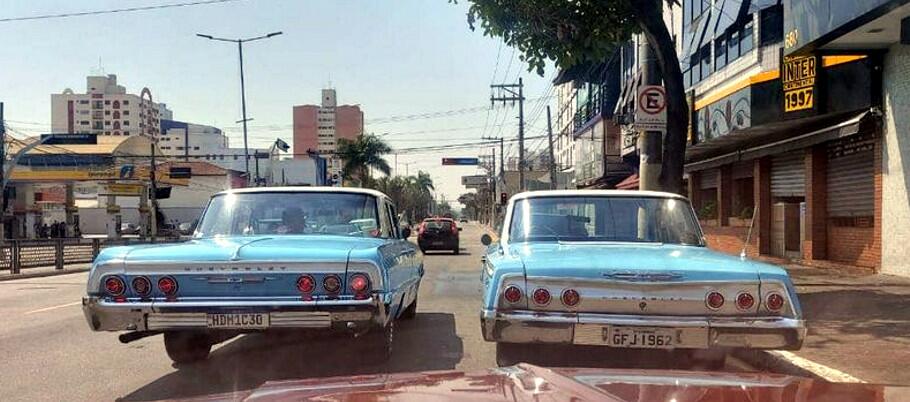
(50, 354)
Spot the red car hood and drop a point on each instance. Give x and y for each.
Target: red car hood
(526, 382)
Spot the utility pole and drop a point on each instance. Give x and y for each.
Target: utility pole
(550, 148)
(650, 143)
(153, 193)
(502, 154)
(513, 93)
(239, 42)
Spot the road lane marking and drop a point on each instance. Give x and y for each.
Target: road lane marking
(825, 372)
(40, 310)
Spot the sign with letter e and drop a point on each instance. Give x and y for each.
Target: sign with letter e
(651, 109)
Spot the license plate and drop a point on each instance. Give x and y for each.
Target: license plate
(638, 337)
(437, 243)
(238, 320)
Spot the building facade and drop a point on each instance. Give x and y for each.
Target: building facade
(319, 127)
(878, 31)
(789, 146)
(201, 143)
(106, 109)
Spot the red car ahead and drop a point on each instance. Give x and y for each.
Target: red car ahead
(438, 234)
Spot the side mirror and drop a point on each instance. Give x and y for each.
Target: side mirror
(486, 240)
(405, 233)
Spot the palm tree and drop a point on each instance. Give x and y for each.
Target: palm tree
(363, 154)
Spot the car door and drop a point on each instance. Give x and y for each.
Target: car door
(405, 269)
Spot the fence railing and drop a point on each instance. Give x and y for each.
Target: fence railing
(16, 255)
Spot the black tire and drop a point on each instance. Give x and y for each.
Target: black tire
(376, 345)
(411, 311)
(509, 354)
(185, 347)
(456, 250)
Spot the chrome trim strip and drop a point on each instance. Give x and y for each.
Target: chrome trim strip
(755, 332)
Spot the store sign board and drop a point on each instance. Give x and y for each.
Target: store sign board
(798, 77)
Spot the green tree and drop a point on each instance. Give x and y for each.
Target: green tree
(360, 155)
(573, 33)
(412, 195)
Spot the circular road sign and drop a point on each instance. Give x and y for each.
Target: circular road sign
(652, 99)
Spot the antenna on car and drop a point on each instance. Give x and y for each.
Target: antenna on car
(742, 254)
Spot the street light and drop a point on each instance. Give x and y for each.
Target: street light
(239, 42)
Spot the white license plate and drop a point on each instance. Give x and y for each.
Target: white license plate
(238, 320)
(639, 337)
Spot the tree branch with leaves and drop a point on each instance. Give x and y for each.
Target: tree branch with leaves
(572, 33)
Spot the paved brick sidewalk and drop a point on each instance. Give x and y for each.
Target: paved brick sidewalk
(859, 324)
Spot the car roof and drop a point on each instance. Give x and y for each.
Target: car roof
(305, 189)
(595, 193)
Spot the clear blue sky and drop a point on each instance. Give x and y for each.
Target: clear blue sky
(394, 57)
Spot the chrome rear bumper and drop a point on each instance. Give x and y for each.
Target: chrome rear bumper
(692, 332)
(105, 315)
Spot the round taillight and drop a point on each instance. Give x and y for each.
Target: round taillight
(142, 286)
(167, 285)
(570, 297)
(744, 301)
(774, 302)
(113, 286)
(512, 294)
(359, 283)
(714, 300)
(306, 284)
(541, 296)
(332, 283)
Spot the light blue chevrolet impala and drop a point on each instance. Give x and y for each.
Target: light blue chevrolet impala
(626, 269)
(330, 259)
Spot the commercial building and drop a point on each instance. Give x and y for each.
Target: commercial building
(197, 142)
(790, 146)
(868, 175)
(319, 127)
(106, 109)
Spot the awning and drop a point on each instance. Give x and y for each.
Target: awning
(777, 137)
(629, 183)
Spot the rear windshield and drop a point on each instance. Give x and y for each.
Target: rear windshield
(442, 225)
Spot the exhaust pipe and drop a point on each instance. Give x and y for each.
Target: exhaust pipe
(137, 335)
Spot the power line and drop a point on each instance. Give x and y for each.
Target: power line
(115, 10)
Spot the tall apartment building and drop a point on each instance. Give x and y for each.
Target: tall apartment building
(319, 127)
(105, 109)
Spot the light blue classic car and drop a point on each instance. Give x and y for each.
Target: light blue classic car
(265, 259)
(627, 269)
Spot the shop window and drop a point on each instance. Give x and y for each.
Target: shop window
(705, 61)
(771, 29)
(733, 47)
(745, 38)
(720, 52)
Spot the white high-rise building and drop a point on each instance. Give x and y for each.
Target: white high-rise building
(105, 109)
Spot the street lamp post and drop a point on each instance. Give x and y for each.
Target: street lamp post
(239, 42)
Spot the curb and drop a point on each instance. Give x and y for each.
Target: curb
(27, 275)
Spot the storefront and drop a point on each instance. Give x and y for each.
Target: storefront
(796, 158)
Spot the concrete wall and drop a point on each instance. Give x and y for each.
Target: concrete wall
(896, 162)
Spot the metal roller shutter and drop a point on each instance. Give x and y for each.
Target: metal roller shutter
(851, 186)
(788, 175)
(708, 179)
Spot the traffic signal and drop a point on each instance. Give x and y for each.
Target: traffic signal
(503, 198)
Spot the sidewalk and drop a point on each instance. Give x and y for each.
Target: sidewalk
(859, 324)
(38, 272)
